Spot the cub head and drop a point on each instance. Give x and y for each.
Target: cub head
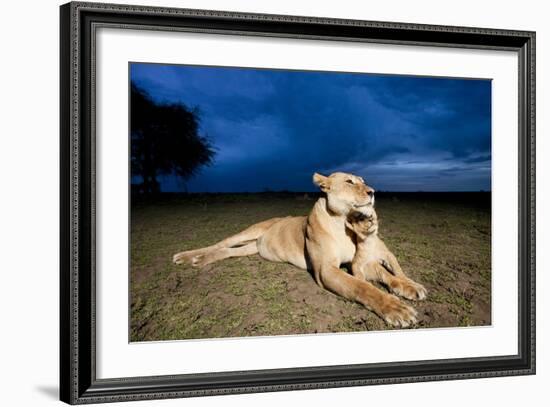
(362, 225)
(346, 193)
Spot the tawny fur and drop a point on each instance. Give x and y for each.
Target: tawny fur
(373, 261)
(320, 242)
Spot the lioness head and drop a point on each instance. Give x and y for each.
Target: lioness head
(346, 193)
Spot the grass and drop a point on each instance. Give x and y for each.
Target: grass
(443, 242)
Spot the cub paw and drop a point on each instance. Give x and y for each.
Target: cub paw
(410, 290)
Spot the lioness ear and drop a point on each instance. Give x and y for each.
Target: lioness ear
(321, 181)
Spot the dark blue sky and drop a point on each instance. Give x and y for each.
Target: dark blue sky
(272, 129)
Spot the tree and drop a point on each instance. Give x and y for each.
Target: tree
(165, 140)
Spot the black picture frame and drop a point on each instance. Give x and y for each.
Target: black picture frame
(78, 382)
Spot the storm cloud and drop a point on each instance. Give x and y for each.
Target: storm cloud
(272, 129)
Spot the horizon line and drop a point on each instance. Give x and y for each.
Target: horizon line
(320, 192)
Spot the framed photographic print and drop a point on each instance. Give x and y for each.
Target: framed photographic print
(255, 203)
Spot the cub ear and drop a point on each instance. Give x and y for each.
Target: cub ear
(321, 181)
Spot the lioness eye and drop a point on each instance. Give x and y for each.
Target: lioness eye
(349, 181)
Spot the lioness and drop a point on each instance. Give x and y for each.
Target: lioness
(374, 262)
(320, 242)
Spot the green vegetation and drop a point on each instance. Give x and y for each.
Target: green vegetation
(444, 244)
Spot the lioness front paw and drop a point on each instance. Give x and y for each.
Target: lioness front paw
(397, 313)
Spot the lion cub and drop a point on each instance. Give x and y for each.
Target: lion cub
(374, 262)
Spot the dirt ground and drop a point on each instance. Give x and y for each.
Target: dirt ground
(441, 240)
